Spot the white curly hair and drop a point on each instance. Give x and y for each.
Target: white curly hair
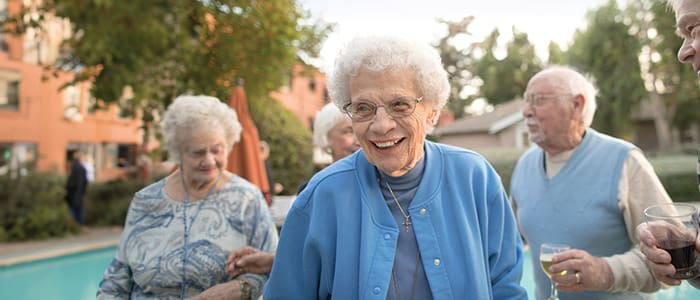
(329, 116)
(189, 112)
(377, 53)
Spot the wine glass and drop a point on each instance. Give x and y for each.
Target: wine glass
(675, 228)
(547, 250)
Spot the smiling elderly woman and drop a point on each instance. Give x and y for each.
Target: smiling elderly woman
(180, 230)
(403, 218)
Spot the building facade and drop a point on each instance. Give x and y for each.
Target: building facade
(41, 123)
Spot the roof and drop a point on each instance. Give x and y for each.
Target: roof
(503, 116)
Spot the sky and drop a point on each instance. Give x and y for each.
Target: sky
(542, 20)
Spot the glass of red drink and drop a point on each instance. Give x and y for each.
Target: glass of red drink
(675, 228)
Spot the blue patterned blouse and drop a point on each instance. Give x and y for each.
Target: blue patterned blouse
(148, 263)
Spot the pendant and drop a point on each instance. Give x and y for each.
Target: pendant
(407, 222)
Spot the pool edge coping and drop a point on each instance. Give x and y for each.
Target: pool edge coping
(19, 258)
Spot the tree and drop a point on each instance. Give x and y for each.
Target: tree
(673, 92)
(457, 63)
(506, 79)
(606, 51)
(556, 55)
(163, 48)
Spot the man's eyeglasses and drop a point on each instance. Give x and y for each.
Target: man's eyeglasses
(362, 111)
(537, 100)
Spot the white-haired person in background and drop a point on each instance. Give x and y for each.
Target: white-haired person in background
(402, 218)
(688, 27)
(332, 133)
(179, 231)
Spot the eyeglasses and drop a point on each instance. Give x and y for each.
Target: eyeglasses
(537, 100)
(362, 111)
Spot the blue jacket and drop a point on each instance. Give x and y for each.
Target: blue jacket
(339, 238)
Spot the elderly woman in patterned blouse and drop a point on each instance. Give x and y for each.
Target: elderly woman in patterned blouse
(180, 230)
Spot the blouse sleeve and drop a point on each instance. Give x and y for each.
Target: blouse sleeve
(262, 234)
(638, 189)
(117, 280)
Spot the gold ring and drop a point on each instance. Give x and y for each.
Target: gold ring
(578, 277)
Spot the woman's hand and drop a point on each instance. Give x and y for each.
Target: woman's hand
(584, 272)
(249, 260)
(227, 290)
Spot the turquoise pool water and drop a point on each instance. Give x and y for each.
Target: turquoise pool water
(70, 277)
(75, 277)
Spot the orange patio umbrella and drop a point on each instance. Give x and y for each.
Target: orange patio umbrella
(246, 160)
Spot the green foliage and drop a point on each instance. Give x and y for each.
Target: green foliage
(457, 63)
(291, 154)
(506, 79)
(681, 94)
(499, 80)
(107, 203)
(164, 48)
(608, 52)
(33, 207)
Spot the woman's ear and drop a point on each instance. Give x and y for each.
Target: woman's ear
(432, 117)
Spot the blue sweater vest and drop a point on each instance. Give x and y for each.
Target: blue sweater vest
(577, 207)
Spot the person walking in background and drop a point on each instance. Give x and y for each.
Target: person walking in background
(179, 231)
(76, 186)
(584, 189)
(332, 133)
(687, 21)
(402, 218)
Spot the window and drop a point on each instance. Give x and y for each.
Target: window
(17, 158)
(9, 94)
(9, 89)
(71, 101)
(3, 17)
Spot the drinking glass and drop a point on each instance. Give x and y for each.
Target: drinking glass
(675, 228)
(547, 250)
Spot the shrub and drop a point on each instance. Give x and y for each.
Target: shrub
(107, 203)
(291, 155)
(33, 207)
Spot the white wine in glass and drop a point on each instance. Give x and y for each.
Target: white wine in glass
(547, 251)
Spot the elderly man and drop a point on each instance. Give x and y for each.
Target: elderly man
(687, 20)
(584, 189)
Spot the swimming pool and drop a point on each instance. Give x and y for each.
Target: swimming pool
(74, 277)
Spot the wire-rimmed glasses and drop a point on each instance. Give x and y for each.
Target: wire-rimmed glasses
(539, 99)
(364, 110)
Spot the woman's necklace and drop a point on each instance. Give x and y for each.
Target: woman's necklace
(187, 228)
(407, 218)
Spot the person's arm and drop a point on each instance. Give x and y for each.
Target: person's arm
(262, 234)
(297, 267)
(638, 189)
(117, 281)
(238, 289)
(249, 259)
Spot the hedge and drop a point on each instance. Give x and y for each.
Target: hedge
(32, 206)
